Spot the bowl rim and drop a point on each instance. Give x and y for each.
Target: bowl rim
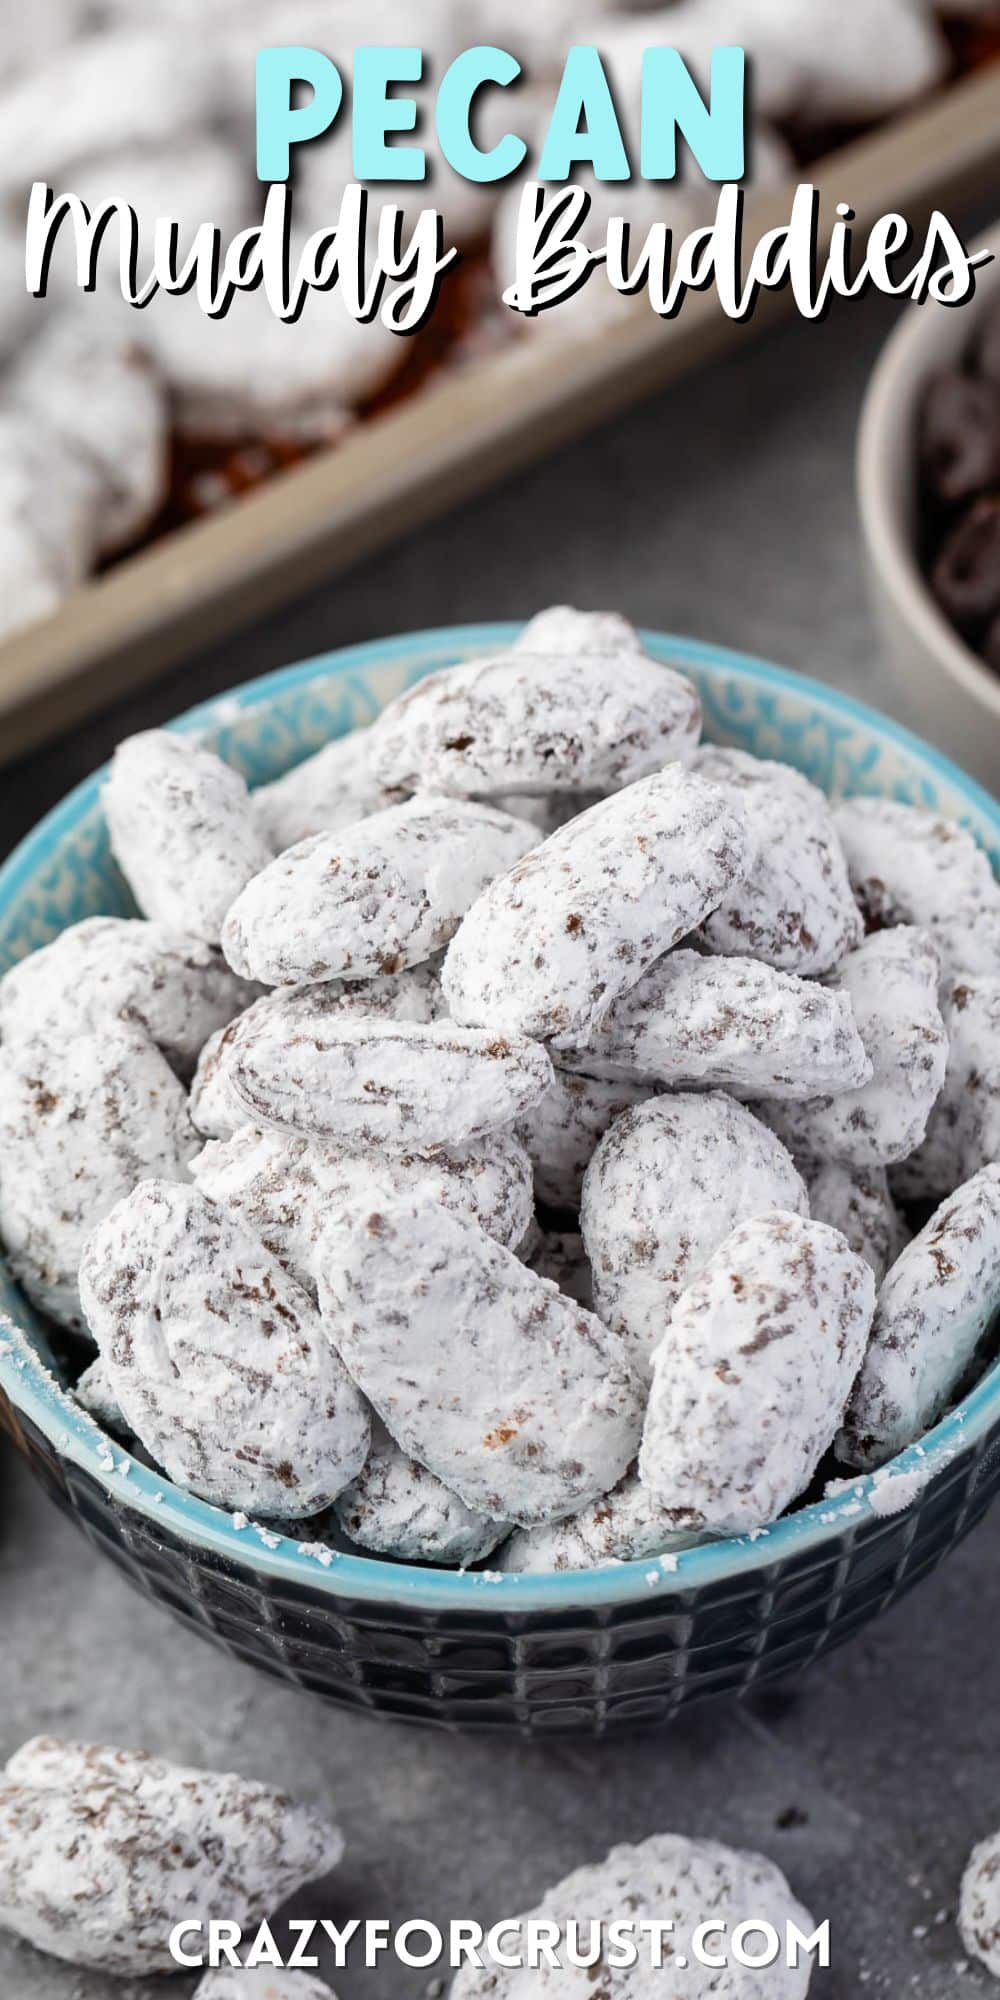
(377, 1581)
(907, 356)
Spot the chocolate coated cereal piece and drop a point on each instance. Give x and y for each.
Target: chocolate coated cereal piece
(563, 1128)
(182, 830)
(795, 909)
(548, 948)
(857, 1201)
(891, 982)
(397, 1508)
(103, 1851)
(220, 1362)
(576, 705)
(912, 866)
(965, 578)
(624, 1525)
(963, 1132)
(687, 1879)
(666, 1186)
(752, 1373)
(521, 1402)
(405, 1085)
(374, 897)
(327, 791)
(259, 1982)
(935, 1308)
(121, 968)
(979, 1907)
(414, 995)
(727, 1023)
(80, 1125)
(960, 436)
(286, 1188)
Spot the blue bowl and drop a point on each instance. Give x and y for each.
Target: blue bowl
(609, 1648)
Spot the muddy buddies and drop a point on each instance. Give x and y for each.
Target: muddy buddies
(521, 1136)
(126, 1865)
(104, 1851)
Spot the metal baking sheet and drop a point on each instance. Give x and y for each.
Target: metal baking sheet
(455, 436)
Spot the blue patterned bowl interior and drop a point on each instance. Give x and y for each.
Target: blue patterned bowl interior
(64, 872)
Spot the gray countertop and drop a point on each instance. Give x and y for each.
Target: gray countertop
(725, 509)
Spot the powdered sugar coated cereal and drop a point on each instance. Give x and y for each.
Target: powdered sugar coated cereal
(374, 897)
(518, 1400)
(50, 499)
(413, 995)
(857, 1201)
(255, 375)
(80, 1125)
(143, 86)
(405, 1085)
(286, 1188)
(548, 948)
(891, 982)
(665, 1187)
(119, 968)
(935, 1309)
(979, 1907)
(688, 1879)
(102, 398)
(752, 1373)
(192, 1313)
(397, 1508)
(327, 791)
(563, 1128)
(576, 705)
(260, 1983)
(795, 909)
(625, 1525)
(103, 1851)
(729, 1024)
(182, 831)
(963, 1131)
(909, 865)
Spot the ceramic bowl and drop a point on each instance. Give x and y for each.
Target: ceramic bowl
(599, 1650)
(948, 690)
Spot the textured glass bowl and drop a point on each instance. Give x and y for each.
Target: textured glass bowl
(613, 1648)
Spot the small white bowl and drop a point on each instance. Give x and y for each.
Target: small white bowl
(946, 688)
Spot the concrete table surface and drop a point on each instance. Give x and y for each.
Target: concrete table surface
(724, 509)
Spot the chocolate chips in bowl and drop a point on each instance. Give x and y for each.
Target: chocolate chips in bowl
(959, 470)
